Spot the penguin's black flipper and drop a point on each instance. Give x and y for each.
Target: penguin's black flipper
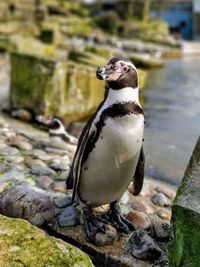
(86, 135)
(139, 174)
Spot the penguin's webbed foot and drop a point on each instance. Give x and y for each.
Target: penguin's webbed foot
(93, 225)
(116, 219)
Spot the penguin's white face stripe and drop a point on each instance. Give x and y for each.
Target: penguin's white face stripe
(60, 129)
(128, 63)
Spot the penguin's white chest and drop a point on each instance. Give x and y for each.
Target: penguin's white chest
(110, 167)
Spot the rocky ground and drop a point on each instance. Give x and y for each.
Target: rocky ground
(33, 170)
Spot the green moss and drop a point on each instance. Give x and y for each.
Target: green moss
(184, 248)
(24, 245)
(79, 26)
(28, 81)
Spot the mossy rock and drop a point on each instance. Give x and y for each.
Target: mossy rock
(28, 46)
(155, 30)
(54, 87)
(25, 245)
(79, 26)
(185, 232)
(26, 28)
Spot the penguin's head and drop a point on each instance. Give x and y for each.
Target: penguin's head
(119, 73)
(52, 122)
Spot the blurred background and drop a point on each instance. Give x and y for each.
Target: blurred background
(50, 50)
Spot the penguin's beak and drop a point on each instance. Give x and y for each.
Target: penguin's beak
(104, 72)
(101, 73)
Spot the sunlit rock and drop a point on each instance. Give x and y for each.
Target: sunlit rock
(25, 245)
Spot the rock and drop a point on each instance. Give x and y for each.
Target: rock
(36, 153)
(15, 159)
(23, 202)
(25, 245)
(3, 186)
(42, 73)
(39, 170)
(139, 219)
(164, 214)
(63, 176)
(185, 234)
(59, 165)
(44, 182)
(36, 162)
(46, 157)
(166, 191)
(147, 189)
(22, 114)
(4, 167)
(161, 228)
(108, 238)
(142, 206)
(23, 145)
(60, 187)
(160, 199)
(69, 217)
(55, 151)
(143, 246)
(125, 198)
(8, 151)
(63, 202)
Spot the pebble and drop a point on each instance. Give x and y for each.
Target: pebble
(22, 114)
(15, 159)
(44, 182)
(125, 198)
(2, 142)
(39, 170)
(8, 151)
(55, 150)
(60, 187)
(160, 199)
(3, 186)
(164, 214)
(23, 145)
(107, 238)
(36, 153)
(69, 217)
(161, 228)
(4, 167)
(168, 192)
(63, 176)
(143, 247)
(142, 206)
(59, 165)
(47, 157)
(36, 162)
(63, 202)
(139, 219)
(147, 189)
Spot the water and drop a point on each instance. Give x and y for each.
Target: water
(172, 108)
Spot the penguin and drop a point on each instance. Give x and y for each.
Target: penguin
(57, 128)
(110, 152)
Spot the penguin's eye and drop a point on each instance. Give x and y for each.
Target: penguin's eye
(126, 69)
